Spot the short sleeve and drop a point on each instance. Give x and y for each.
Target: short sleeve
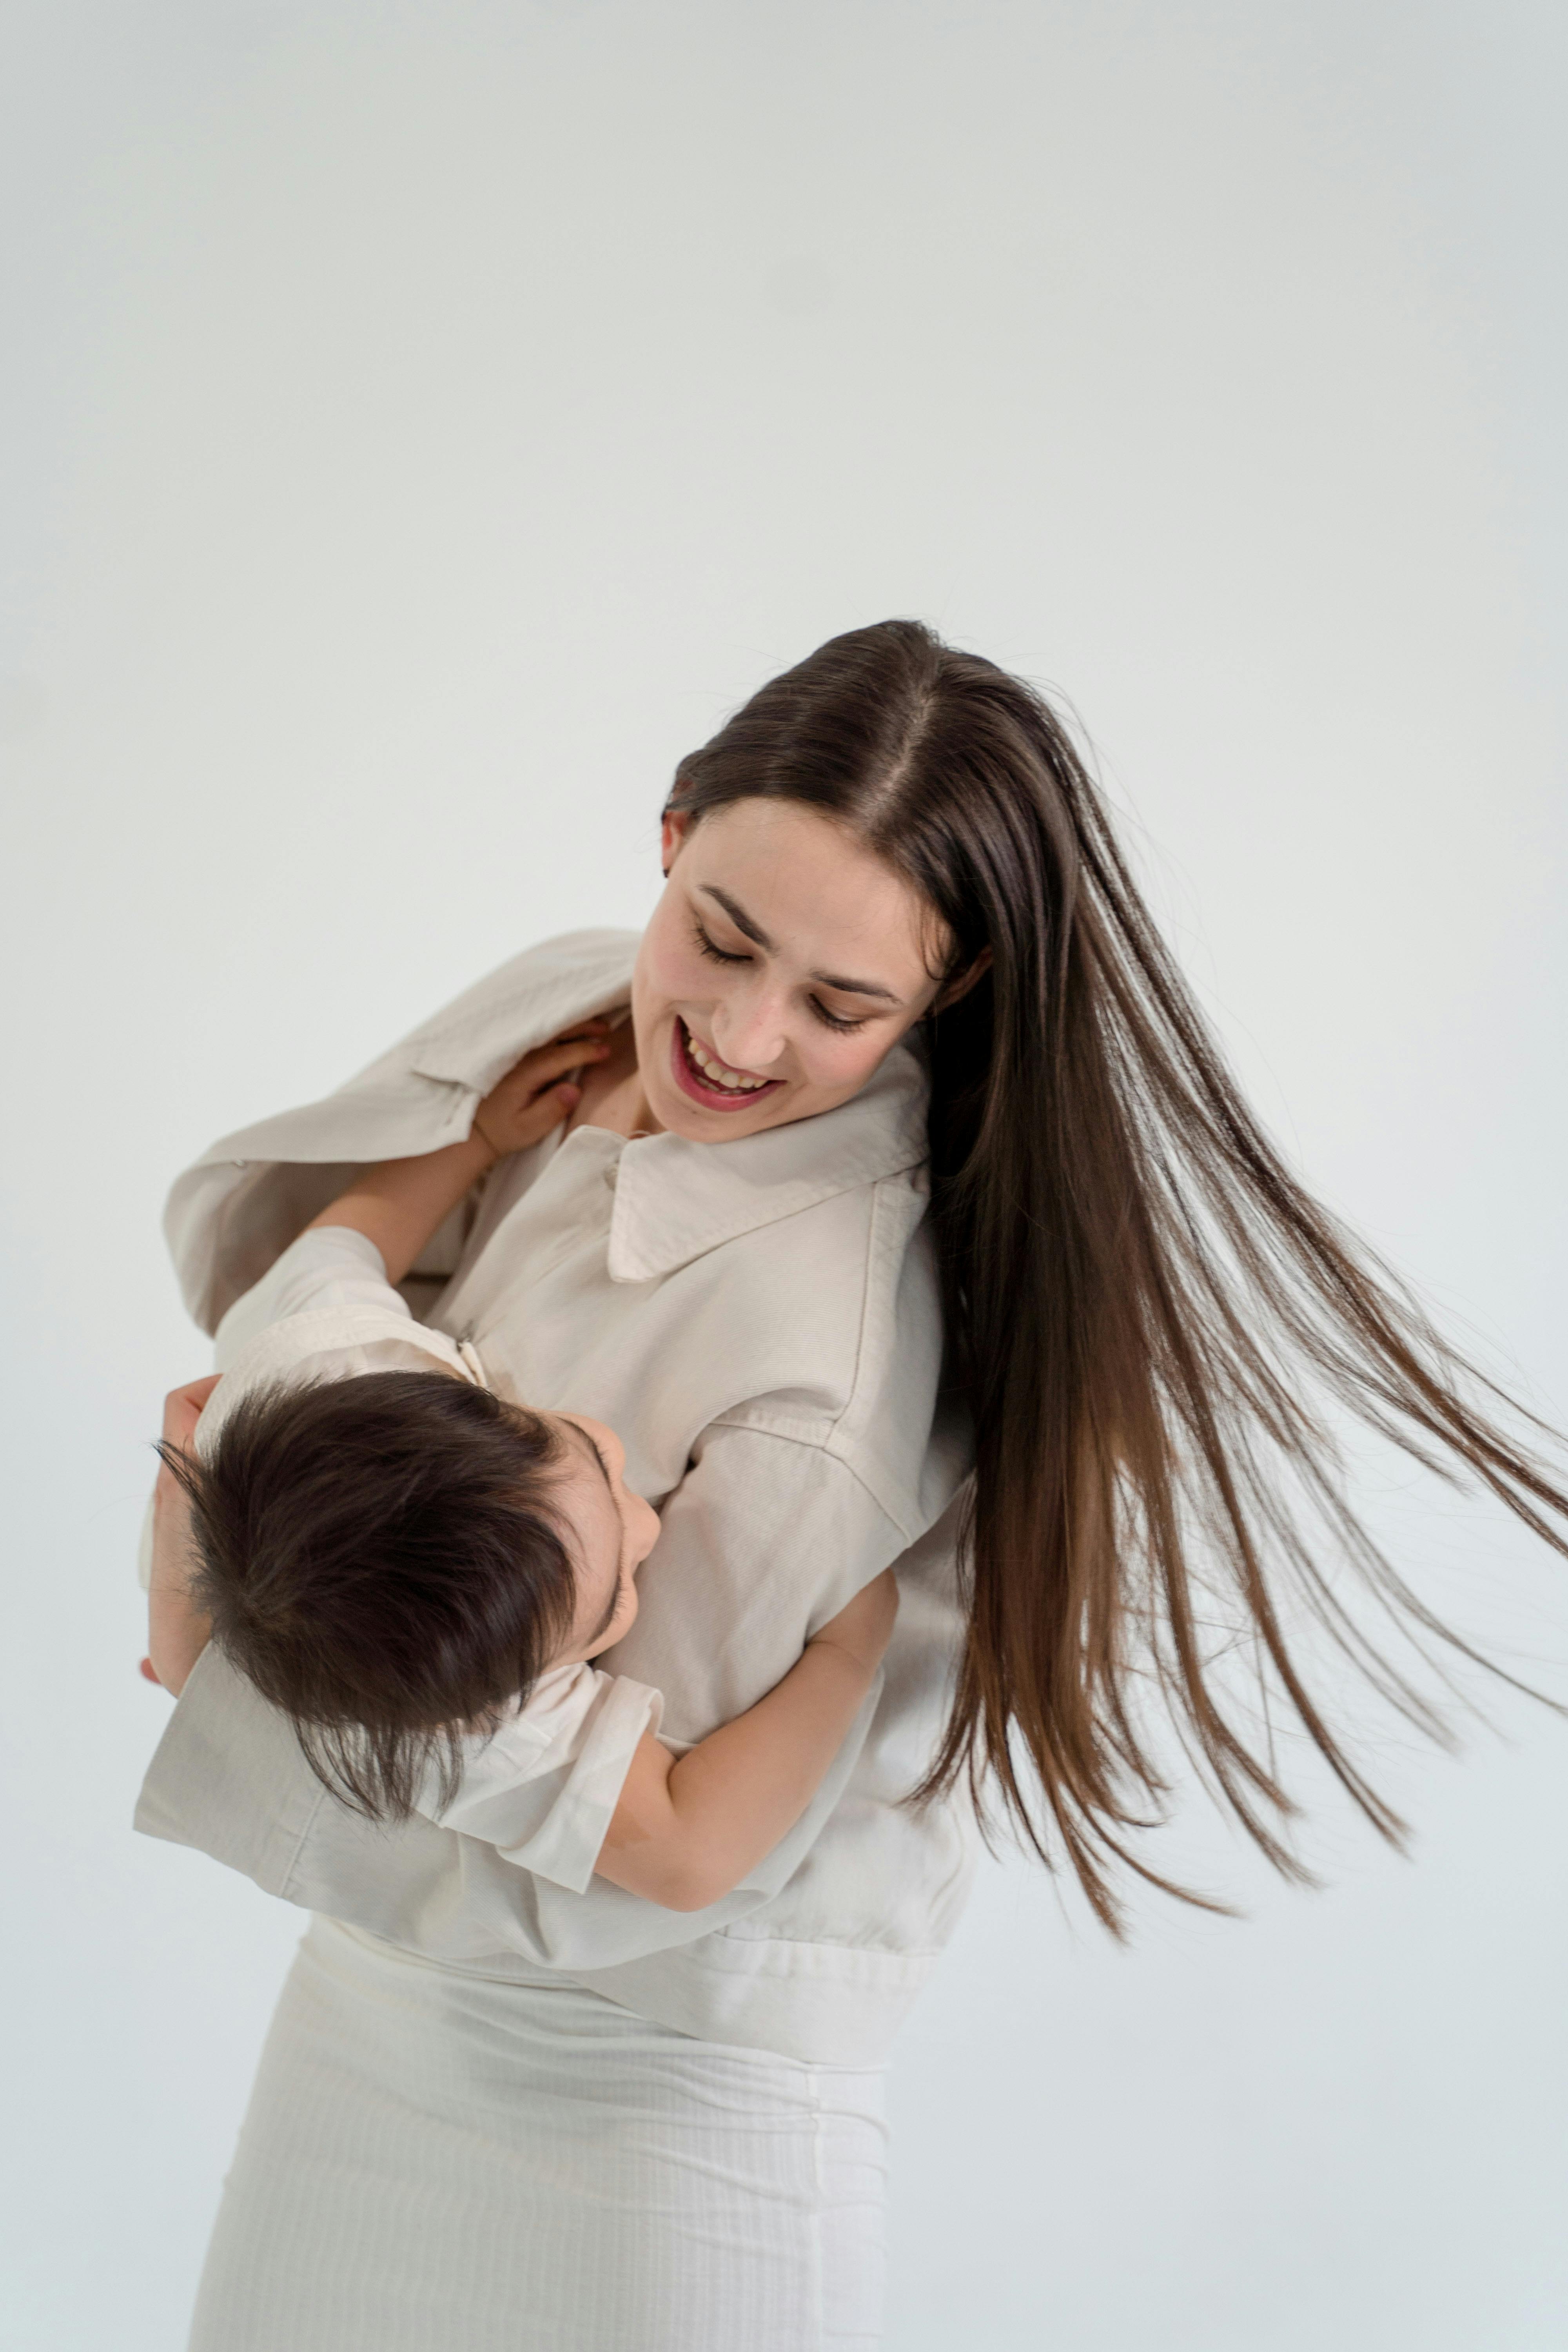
(776, 1536)
(542, 1789)
(325, 1311)
(327, 1267)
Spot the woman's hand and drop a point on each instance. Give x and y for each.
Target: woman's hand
(177, 1631)
(531, 1099)
(865, 1628)
(182, 1411)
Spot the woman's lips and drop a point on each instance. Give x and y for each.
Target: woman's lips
(701, 1090)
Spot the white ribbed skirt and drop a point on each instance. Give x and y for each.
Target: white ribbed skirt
(434, 2161)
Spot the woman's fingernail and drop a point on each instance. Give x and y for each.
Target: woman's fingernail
(569, 1092)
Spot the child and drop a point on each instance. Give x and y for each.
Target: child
(418, 1573)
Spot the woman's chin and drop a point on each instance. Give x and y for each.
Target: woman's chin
(678, 1115)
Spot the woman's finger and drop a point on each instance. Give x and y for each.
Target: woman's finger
(183, 1409)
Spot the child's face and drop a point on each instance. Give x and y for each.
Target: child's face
(612, 1533)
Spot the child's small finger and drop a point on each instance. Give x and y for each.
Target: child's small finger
(567, 1049)
(552, 1059)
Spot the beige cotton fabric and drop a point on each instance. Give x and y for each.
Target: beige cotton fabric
(760, 1322)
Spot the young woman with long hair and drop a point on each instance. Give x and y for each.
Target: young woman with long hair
(1145, 1312)
(915, 1217)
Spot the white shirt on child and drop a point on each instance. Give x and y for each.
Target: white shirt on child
(543, 1789)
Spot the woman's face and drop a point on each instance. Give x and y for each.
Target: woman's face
(782, 963)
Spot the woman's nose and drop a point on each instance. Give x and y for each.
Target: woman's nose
(749, 1031)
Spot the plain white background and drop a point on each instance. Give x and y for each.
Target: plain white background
(422, 423)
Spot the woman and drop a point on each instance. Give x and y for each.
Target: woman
(916, 1157)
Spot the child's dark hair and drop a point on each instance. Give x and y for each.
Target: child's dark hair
(379, 1558)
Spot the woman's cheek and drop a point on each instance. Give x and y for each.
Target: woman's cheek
(842, 1064)
(672, 972)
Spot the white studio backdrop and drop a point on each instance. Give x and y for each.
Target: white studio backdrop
(424, 421)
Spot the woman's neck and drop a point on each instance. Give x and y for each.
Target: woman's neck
(613, 1095)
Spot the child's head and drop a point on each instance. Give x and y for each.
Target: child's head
(392, 1559)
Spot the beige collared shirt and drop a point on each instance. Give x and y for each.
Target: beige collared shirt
(760, 1322)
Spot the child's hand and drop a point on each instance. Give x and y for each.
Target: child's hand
(531, 1100)
(865, 1627)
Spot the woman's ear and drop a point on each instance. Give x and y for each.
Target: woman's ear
(965, 982)
(672, 833)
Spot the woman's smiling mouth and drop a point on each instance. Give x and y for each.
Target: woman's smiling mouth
(708, 1080)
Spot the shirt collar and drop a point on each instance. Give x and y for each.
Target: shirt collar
(676, 1199)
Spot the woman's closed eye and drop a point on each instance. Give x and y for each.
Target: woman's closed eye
(715, 954)
(705, 946)
(836, 1020)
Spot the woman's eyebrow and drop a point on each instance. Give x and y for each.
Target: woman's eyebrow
(738, 916)
(759, 938)
(854, 987)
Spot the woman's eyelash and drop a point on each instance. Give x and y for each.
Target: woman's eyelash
(718, 955)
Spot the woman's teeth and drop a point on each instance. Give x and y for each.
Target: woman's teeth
(733, 1081)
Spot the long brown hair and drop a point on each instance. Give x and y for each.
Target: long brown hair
(1153, 1323)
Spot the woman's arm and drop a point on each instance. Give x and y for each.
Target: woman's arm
(177, 1631)
(689, 1828)
(230, 1778)
(400, 1203)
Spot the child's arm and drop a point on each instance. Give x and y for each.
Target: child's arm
(689, 1828)
(400, 1203)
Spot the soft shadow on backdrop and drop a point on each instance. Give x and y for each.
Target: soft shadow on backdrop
(423, 424)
